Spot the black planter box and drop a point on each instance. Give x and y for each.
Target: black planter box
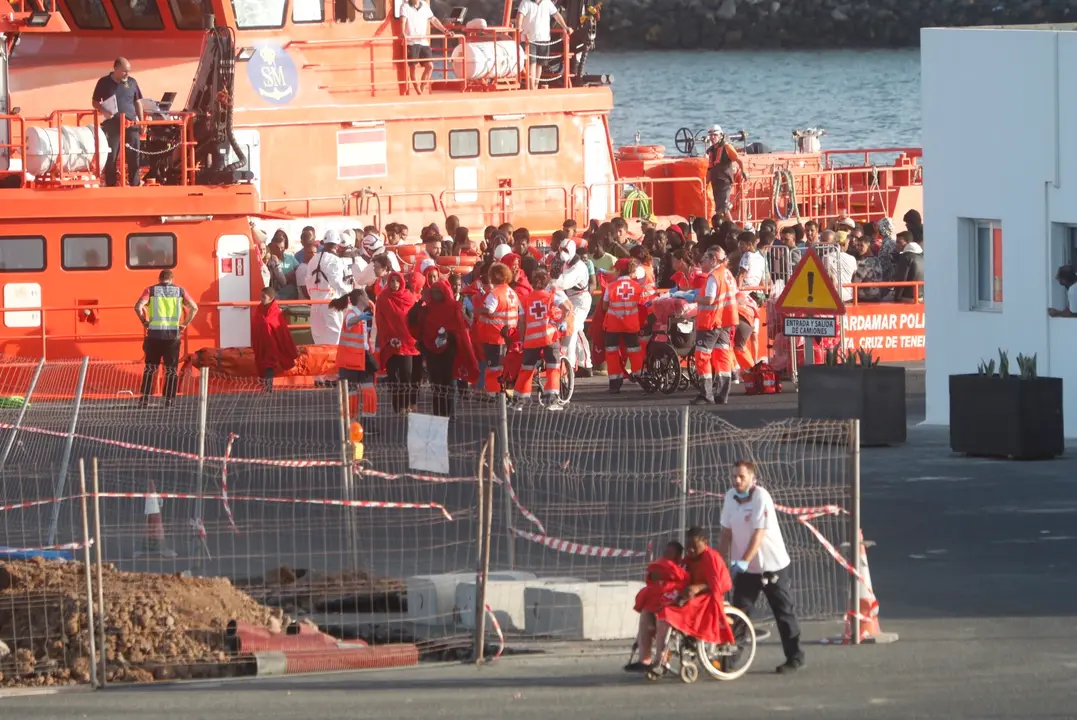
(1011, 417)
(875, 396)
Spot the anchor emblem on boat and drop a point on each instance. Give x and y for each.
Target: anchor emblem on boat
(273, 74)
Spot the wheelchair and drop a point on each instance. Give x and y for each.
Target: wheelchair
(670, 365)
(685, 655)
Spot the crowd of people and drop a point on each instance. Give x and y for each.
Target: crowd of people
(395, 308)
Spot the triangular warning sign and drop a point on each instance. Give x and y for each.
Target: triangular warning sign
(809, 290)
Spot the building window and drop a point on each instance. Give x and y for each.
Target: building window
(187, 14)
(983, 250)
(463, 143)
(86, 252)
(89, 14)
(151, 250)
(424, 141)
(139, 15)
(22, 254)
(504, 141)
(1063, 254)
(255, 14)
(308, 11)
(542, 140)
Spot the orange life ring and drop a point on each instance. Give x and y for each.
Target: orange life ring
(451, 260)
(641, 152)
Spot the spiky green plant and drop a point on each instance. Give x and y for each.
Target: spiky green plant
(1003, 363)
(1027, 366)
(987, 368)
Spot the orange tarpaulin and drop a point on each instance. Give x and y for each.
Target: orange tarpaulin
(313, 361)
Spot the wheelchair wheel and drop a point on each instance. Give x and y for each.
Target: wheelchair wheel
(729, 662)
(568, 380)
(689, 672)
(685, 381)
(664, 368)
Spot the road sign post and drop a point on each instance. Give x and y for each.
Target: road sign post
(813, 300)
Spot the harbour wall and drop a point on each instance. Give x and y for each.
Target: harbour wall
(768, 24)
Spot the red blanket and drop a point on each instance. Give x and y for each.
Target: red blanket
(448, 314)
(703, 616)
(271, 339)
(665, 579)
(391, 318)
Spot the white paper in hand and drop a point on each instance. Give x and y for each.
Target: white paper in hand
(428, 443)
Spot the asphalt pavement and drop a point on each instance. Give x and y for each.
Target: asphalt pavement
(974, 566)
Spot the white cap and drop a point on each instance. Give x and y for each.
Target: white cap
(426, 265)
(331, 237)
(847, 222)
(501, 251)
(347, 238)
(640, 273)
(716, 129)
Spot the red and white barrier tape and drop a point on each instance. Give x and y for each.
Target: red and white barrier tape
(378, 504)
(497, 629)
(34, 503)
(573, 548)
(232, 437)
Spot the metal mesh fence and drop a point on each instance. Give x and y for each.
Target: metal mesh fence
(264, 490)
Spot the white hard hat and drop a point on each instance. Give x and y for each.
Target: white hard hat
(426, 265)
(501, 251)
(715, 130)
(332, 237)
(347, 238)
(373, 244)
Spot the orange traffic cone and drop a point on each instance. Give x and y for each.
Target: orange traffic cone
(867, 612)
(154, 542)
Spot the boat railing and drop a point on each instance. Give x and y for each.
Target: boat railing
(582, 207)
(862, 192)
(872, 157)
(58, 157)
(473, 60)
(506, 201)
(203, 332)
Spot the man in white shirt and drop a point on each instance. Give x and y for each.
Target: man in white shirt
(533, 24)
(759, 562)
(841, 266)
(753, 266)
(417, 19)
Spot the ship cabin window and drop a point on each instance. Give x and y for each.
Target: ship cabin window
(504, 141)
(463, 143)
(308, 11)
(352, 10)
(86, 252)
(22, 254)
(139, 14)
(89, 14)
(187, 14)
(424, 141)
(259, 14)
(543, 140)
(151, 251)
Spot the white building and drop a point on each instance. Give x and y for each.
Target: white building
(1000, 201)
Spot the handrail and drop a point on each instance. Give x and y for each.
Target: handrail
(506, 190)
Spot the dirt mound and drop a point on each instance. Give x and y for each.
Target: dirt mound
(157, 626)
(300, 591)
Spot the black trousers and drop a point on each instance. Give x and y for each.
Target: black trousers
(132, 143)
(439, 368)
(775, 587)
(399, 370)
(744, 333)
(159, 351)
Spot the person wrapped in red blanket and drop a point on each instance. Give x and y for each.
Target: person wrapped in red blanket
(666, 577)
(700, 613)
(271, 339)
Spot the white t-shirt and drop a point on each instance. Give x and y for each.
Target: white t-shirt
(841, 266)
(535, 19)
(1071, 298)
(744, 519)
(754, 267)
(417, 23)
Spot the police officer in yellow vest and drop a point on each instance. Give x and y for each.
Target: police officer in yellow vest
(161, 310)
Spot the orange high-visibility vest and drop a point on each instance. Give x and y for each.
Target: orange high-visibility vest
(352, 346)
(540, 327)
(622, 315)
(507, 314)
(722, 312)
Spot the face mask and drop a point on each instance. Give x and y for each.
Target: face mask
(742, 495)
(565, 255)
